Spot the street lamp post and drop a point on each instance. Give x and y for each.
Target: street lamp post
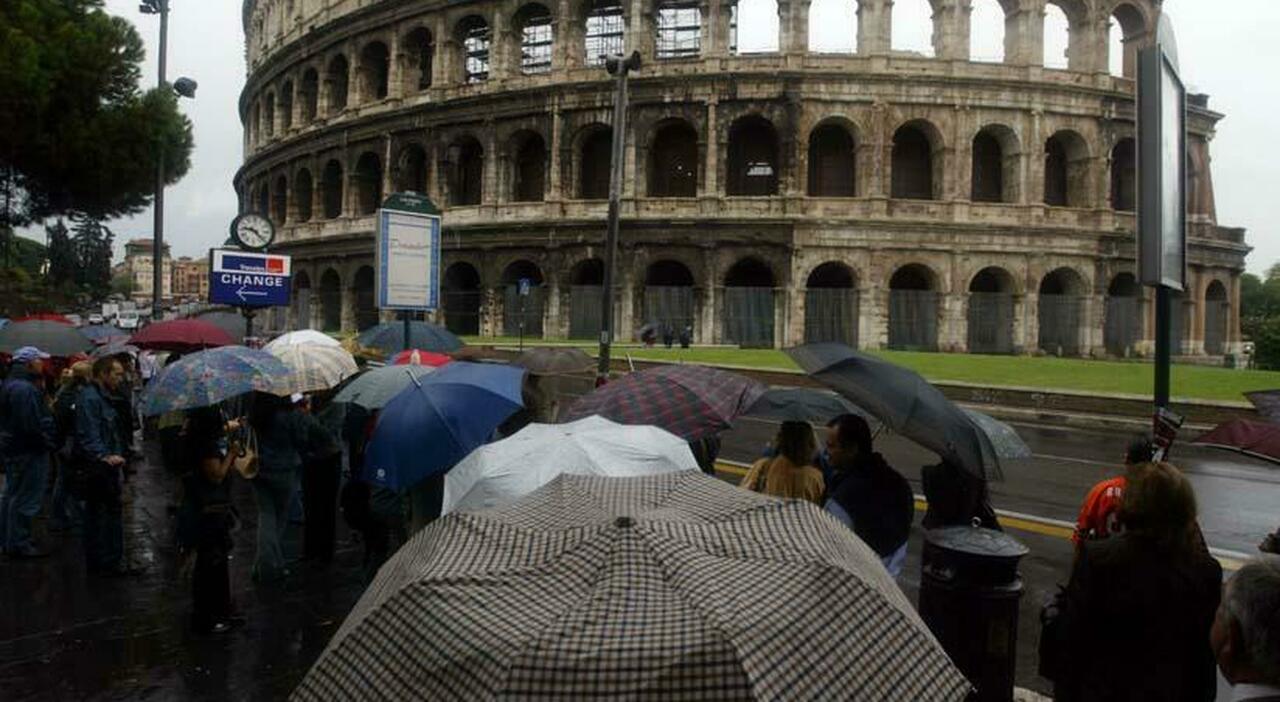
(618, 67)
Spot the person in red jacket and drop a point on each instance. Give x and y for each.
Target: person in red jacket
(1099, 515)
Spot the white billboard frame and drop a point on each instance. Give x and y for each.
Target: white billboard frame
(407, 265)
(1162, 170)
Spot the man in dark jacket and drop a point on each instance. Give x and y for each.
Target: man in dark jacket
(99, 446)
(27, 435)
(871, 497)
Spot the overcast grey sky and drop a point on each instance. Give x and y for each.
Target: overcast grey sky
(1228, 50)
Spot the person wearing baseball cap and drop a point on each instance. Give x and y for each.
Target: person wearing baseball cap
(27, 436)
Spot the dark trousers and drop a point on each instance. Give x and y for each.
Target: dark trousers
(103, 520)
(210, 586)
(320, 504)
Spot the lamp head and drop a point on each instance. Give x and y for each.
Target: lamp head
(185, 87)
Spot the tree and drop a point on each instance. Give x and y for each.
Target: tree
(77, 135)
(63, 263)
(122, 285)
(92, 243)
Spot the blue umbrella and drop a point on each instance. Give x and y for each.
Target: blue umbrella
(439, 419)
(208, 377)
(388, 337)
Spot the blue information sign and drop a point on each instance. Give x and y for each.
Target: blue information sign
(245, 279)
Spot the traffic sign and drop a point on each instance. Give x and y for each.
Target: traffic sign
(245, 279)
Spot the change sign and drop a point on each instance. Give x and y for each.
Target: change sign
(248, 279)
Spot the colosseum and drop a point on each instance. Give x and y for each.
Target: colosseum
(887, 198)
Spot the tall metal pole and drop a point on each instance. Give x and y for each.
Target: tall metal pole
(619, 67)
(405, 316)
(1164, 352)
(157, 249)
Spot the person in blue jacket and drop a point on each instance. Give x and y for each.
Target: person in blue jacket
(27, 436)
(99, 446)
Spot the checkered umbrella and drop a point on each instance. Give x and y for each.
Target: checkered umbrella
(667, 587)
(687, 400)
(313, 367)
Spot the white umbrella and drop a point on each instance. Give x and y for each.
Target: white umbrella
(301, 337)
(501, 473)
(313, 367)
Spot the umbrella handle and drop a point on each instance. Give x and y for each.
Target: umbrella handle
(413, 377)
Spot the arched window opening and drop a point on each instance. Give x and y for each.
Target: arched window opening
(1217, 313)
(419, 54)
(912, 27)
(368, 183)
(269, 115)
(300, 304)
(996, 168)
(467, 158)
(533, 21)
(673, 165)
(987, 32)
(530, 168)
(302, 194)
(832, 162)
(255, 124)
(1062, 299)
(375, 70)
(1122, 328)
(586, 281)
(264, 200)
(596, 153)
(991, 312)
(1126, 30)
(280, 201)
(913, 309)
(1057, 37)
(679, 26)
(309, 92)
(754, 27)
(473, 35)
(337, 77)
(1124, 176)
(286, 105)
(522, 314)
(913, 164)
(668, 296)
(748, 304)
(366, 302)
(1066, 170)
(413, 176)
(831, 305)
(331, 186)
(833, 26)
(753, 157)
(605, 31)
(330, 301)
(460, 296)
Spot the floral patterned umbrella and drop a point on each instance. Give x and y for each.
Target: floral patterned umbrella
(208, 377)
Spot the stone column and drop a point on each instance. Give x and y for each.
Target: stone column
(355, 87)
(389, 167)
(624, 298)
(711, 172)
(875, 28)
(1234, 339)
(551, 323)
(793, 27)
(348, 305)
(569, 38)
(554, 187)
(1094, 342)
(504, 48)
(951, 22)
(877, 145)
(1031, 322)
(441, 62)
(490, 187)
(793, 315)
(717, 44)
(640, 29)
(709, 15)
(395, 68)
(1024, 34)
(710, 333)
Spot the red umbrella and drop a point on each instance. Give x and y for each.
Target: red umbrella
(1260, 439)
(45, 317)
(418, 357)
(181, 335)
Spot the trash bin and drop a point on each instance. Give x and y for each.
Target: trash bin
(969, 595)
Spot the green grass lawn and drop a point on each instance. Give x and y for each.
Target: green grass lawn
(1080, 375)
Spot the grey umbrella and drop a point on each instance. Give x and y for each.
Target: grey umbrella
(1004, 438)
(668, 587)
(905, 402)
(374, 389)
(54, 338)
(1267, 403)
(804, 405)
(555, 361)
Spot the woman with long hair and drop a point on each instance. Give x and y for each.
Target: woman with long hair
(1139, 605)
(789, 472)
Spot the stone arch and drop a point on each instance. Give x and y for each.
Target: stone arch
(528, 166)
(286, 104)
(833, 160)
(678, 29)
(753, 157)
(831, 304)
(1067, 34)
(913, 308)
(461, 293)
(765, 19)
(669, 295)
(309, 94)
(996, 174)
(331, 187)
(833, 26)
(374, 71)
(330, 300)
(673, 159)
(991, 312)
(466, 158)
(269, 115)
(412, 171)
(366, 303)
(264, 200)
(749, 303)
(917, 161)
(337, 76)
(604, 30)
(1066, 170)
(368, 183)
(1127, 29)
(303, 194)
(594, 155)
(300, 300)
(1122, 328)
(1062, 312)
(534, 25)
(586, 287)
(912, 27)
(522, 313)
(280, 200)
(473, 37)
(418, 48)
(1124, 175)
(1217, 316)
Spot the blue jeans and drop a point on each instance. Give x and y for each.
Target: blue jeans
(103, 520)
(274, 492)
(25, 478)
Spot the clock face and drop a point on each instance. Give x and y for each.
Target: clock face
(254, 231)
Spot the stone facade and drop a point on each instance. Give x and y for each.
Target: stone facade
(138, 257)
(879, 197)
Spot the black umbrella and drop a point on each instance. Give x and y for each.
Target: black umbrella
(804, 405)
(54, 338)
(1267, 402)
(905, 402)
(388, 338)
(555, 361)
